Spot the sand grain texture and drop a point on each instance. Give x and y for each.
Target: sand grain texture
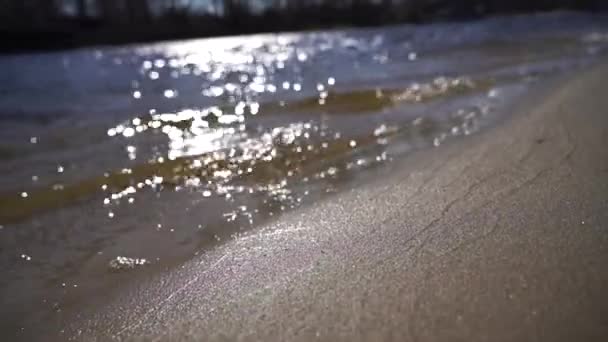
(502, 236)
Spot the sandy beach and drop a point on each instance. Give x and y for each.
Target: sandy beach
(499, 236)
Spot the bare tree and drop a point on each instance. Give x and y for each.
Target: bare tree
(82, 9)
(138, 10)
(111, 10)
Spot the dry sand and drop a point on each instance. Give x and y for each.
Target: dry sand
(502, 236)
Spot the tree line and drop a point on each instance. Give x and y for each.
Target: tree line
(80, 22)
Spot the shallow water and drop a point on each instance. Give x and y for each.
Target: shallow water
(118, 162)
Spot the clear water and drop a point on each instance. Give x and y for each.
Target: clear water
(120, 161)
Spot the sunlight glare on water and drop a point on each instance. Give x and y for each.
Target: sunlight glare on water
(118, 158)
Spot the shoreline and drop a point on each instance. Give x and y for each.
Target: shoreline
(82, 35)
(498, 236)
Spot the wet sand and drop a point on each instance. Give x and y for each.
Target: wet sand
(500, 236)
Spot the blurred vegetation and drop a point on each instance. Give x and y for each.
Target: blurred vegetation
(45, 24)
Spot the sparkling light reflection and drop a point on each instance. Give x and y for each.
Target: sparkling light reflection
(268, 134)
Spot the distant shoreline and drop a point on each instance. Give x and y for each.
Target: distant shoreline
(79, 34)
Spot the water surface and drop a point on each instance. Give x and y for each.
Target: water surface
(118, 162)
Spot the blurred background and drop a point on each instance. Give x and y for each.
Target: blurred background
(121, 162)
(36, 24)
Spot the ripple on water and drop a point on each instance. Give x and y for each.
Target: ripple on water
(121, 263)
(171, 147)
